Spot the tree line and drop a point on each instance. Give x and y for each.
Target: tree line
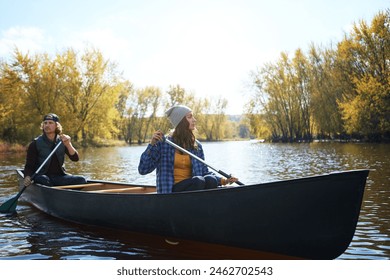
(341, 91)
(93, 100)
(334, 92)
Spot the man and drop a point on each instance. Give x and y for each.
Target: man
(53, 172)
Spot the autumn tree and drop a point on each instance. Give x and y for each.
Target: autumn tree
(82, 90)
(14, 120)
(282, 97)
(325, 93)
(142, 108)
(364, 59)
(27, 90)
(330, 92)
(122, 123)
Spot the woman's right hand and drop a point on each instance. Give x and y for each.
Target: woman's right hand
(157, 136)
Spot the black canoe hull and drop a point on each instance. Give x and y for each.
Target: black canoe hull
(312, 218)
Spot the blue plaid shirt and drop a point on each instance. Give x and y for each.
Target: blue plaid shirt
(161, 157)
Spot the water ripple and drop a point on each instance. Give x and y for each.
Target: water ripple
(33, 235)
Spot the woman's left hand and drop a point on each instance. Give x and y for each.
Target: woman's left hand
(231, 180)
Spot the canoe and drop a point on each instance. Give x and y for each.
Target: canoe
(311, 217)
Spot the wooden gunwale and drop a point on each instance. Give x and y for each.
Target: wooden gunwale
(107, 188)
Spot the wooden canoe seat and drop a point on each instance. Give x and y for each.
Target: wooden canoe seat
(107, 188)
(79, 186)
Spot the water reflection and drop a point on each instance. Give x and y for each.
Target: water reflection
(33, 235)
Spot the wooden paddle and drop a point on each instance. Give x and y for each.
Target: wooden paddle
(198, 158)
(10, 205)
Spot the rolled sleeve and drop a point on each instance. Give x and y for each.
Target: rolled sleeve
(74, 157)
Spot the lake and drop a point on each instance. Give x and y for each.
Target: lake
(30, 234)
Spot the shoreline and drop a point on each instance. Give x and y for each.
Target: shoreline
(7, 148)
(14, 148)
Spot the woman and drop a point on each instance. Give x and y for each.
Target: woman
(176, 171)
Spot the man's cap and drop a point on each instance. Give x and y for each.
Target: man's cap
(51, 117)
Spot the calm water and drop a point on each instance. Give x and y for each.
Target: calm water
(33, 235)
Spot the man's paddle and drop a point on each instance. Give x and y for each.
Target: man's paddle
(201, 160)
(10, 205)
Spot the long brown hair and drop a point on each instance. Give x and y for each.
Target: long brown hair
(183, 136)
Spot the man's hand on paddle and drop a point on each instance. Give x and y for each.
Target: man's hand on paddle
(27, 181)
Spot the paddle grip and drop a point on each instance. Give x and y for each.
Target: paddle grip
(229, 176)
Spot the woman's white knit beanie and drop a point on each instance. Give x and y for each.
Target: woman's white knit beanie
(176, 113)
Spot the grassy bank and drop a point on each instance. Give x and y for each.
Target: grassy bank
(18, 148)
(11, 148)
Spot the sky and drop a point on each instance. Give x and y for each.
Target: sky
(208, 47)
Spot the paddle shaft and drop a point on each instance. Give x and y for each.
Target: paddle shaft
(199, 159)
(42, 165)
(48, 157)
(10, 205)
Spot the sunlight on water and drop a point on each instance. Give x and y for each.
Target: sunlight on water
(33, 235)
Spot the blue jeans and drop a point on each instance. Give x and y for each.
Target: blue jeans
(59, 180)
(196, 183)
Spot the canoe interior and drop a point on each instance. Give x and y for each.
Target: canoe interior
(97, 187)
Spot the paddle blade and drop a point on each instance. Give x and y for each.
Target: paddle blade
(9, 206)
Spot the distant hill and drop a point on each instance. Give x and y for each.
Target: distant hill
(234, 118)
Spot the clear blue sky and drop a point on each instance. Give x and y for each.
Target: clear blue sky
(208, 47)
